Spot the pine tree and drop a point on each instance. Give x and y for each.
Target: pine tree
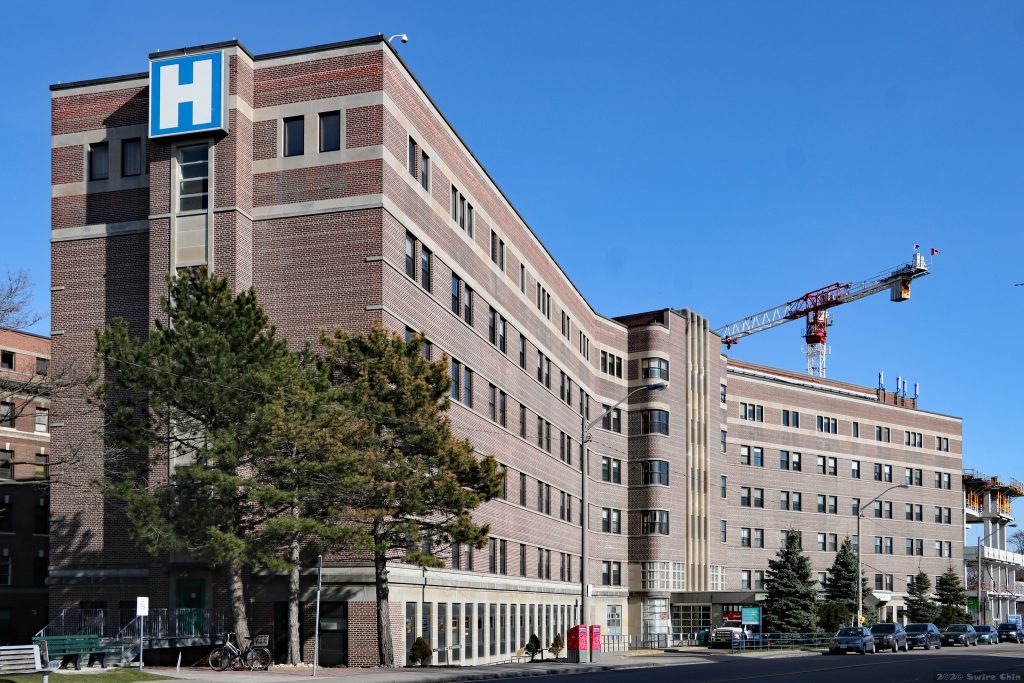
(414, 484)
(921, 609)
(791, 595)
(952, 597)
(188, 399)
(841, 581)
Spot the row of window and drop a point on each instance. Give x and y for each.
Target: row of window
(463, 558)
(419, 164)
(486, 629)
(99, 159)
(611, 364)
(40, 568)
(330, 134)
(40, 515)
(7, 363)
(9, 416)
(830, 425)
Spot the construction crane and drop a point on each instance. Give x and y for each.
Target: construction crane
(813, 308)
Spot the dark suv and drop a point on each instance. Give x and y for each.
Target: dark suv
(924, 635)
(1010, 632)
(890, 637)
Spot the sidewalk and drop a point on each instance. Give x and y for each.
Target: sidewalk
(609, 662)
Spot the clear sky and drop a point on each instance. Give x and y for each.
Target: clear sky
(722, 156)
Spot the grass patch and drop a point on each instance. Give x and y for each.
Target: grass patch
(106, 676)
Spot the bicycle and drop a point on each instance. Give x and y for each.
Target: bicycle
(255, 657)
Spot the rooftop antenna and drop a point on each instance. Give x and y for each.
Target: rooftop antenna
(917, 390)
(881, 379)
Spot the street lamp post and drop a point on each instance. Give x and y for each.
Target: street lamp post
(860, 546)
(981, 610)
(585, 495)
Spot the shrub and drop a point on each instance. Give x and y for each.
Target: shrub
(557, 645)
(533, 646)
(832, 615)
(420, 652)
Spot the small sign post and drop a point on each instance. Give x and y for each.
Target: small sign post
(141, 611)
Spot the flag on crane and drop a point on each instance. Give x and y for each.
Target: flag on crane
(935, 251)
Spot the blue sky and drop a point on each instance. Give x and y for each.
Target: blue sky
(722, 156)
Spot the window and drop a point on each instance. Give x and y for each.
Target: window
(796, 466)
(855, 469)
(745, 496)
(855, 506)
(410, 255)
(456, 379)
(294, 138)
(456, 294)
(758, 538)
(942, 443)
(759, 498)
(946, 481)
(887, 473)
(467, 304)
(827, 425)
(492, 402)
(751, 411)
(413, 154)
(723, 392)
(791, 418)
(784, 500)
(6, 464)
(821, 503)
(131, 157)
(502, 413)
(467, 387)
(462, 211)
(611, 521)
(797, 501)
(918, 478)
(744, 537)
(654, 522)
(7, 415)
(783, 460)
(833, 505)
(654, 472)
(502, 336)
(822, 543)
(833, 467)
(877, 468)
(425, 257)
(744, 455)
(5, 514)
(42, 466)
(522, 420)
(6, 360)
(611, 470)
(424, 170)
(99, 161)
(330, 131)
(821, 464)
(611, 573)
(856, 430)
(654, 368)
(758, 456)
(723, 439)
(724, 486)
(42, 420)
(193, 177)
(492, 325)
(522, 352)
(654, 422)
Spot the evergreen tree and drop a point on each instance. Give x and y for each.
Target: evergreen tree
(414, 484)
(841, 581)
(791, 595)
(921, 609)
(952, 597)
(188, 400)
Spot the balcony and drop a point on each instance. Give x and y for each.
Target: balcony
(992, 555)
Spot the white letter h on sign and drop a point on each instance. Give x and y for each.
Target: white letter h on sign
(199, 93)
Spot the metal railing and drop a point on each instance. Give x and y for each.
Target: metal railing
(783, 641)
(161, 624)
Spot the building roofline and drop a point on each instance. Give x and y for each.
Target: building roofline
(97, 81)
(27, 334)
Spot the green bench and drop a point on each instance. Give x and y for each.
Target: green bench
(71, 649)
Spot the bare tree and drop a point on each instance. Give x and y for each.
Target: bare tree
(15, 294)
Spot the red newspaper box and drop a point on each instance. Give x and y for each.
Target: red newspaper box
(595, 643)
(578, 644)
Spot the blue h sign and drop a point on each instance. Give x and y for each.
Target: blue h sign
(187, 94)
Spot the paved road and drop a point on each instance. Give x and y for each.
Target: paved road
(947, 664)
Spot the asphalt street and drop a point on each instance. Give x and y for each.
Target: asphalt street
(1004, 662)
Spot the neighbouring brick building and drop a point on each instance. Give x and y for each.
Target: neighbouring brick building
(24, 492)
(344, 197)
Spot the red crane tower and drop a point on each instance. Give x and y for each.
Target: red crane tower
(813, 307)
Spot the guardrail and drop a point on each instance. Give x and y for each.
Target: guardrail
(784, 641)
(161, 624)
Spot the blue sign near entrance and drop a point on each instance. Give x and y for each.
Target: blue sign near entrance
(750, 615)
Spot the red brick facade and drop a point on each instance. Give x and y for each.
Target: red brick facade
(322, 237)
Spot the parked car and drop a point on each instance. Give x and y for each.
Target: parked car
(890, 637)
(924, 635)
(960, 634)
(987, 634)
(1010, 632)
(730, 634)
(853, 639)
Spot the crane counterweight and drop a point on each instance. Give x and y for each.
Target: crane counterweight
(813, 307)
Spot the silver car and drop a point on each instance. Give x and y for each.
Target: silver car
(852, 639)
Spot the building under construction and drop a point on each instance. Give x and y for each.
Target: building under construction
(989, 501)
